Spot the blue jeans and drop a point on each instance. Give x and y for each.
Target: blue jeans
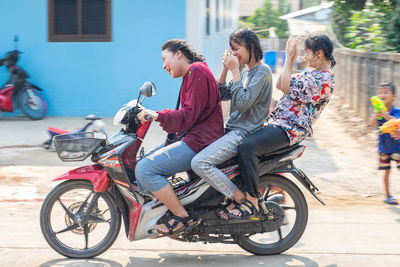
(203, 164)
(151, 172)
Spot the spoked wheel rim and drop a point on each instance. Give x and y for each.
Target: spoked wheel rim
(288, 213)
(62, 220)
(32, 103)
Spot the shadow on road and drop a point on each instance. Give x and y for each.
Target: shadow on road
(316, 160)
(396, 210)
(177, 259)
(81, 263)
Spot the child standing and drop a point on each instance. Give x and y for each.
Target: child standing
(389, 148)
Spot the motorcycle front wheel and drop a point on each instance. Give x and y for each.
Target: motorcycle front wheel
(293, 211)
(32, 103)
(61, 220)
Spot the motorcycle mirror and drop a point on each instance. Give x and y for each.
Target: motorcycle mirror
(148, 89)
(16, 39)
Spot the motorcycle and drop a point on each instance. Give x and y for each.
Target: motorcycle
(81, 217)
(95, 122)
(18, 91)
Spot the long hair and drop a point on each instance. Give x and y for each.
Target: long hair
(177, 44)
(247, 37)
(321, 42)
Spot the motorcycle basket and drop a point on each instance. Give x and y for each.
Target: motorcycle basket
(76, 146)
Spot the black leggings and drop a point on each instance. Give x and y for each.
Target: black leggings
(266, 140)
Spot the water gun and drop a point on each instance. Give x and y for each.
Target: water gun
(389, 126)
(378, 105)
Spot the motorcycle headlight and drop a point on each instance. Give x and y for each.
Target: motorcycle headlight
(123, 111)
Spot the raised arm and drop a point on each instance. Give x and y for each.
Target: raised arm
(229, 62)
(283, 82)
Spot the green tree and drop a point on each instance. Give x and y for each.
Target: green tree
(266, 17)
(343, 9)
(309, 3)
(366, 31)
(368, 24)
(393, 26)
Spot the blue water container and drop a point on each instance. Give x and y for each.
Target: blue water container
(270, 59)
(283, 57)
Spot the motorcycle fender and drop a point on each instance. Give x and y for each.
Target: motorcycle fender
(288, 167)
(94, 173)
(306, 182)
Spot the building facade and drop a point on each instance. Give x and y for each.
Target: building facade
(92, 64)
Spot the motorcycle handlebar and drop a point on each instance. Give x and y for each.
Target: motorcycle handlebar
(148, 118)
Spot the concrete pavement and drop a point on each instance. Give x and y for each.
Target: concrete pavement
(341, 234)
(335, 236)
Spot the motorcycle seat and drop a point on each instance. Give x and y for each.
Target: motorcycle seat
(284, 150)
(264, 157)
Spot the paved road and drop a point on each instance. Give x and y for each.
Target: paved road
(335, 236)
(341, 234)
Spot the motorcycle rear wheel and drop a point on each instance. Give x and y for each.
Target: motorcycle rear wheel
(294, 226)
(71, 198)
(32, 103)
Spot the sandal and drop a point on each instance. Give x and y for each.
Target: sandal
(244, 212)
(222, 210)
(391, 200)
(188, 222)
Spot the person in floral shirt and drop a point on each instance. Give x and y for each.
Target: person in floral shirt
(297, 111)
(305, 96)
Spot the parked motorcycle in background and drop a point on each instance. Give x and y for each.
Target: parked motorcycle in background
(81, 217)
(18, 92)
(95, 124)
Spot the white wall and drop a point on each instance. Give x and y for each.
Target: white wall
(213, 45)
(194, 23)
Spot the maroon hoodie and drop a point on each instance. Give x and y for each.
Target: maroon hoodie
(199, 97)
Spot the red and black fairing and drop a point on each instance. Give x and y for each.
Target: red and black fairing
(120, 163)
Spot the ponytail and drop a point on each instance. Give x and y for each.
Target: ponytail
(177, 44)
(321, 42)
(332, 60)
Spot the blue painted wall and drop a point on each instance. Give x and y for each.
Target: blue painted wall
(81, 78)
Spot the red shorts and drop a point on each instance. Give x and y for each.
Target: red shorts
(386, 158)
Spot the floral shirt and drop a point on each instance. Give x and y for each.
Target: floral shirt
(297, 111)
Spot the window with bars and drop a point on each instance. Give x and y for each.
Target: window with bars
(79, 20)
(217, 15)
(224, 14)
(208, 30)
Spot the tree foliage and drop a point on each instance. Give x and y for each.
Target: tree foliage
(268, 16)
(309, 3)
(368, 25)
(366, 31)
